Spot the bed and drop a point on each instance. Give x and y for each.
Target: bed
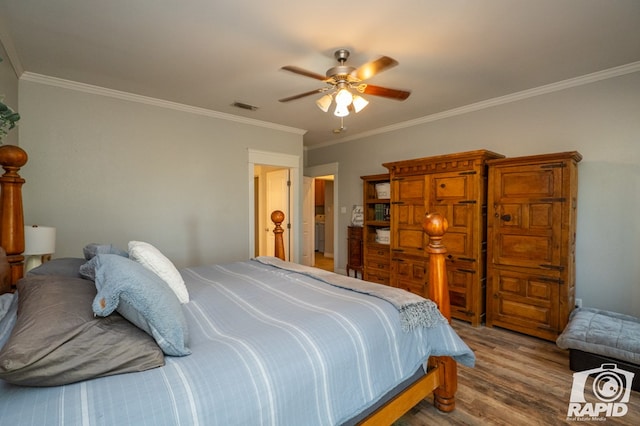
(261, 341)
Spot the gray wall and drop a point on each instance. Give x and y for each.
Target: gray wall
(109, 170)
(601, 120)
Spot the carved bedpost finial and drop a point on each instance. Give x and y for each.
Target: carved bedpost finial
(435, 225)
(277, 217)
(12, 158)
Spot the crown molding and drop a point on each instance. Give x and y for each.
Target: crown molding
(7, 43)
(97, 90)
(513, 97)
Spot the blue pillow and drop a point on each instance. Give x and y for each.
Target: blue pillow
(143, 298)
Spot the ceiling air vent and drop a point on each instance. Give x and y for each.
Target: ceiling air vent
(244, 106)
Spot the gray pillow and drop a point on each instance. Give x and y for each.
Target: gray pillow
(143, 298)
(93, 249)
(57, 340)
(66, 266)
(8, 312)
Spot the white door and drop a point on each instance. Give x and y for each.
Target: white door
(308, 229)
(277, 199)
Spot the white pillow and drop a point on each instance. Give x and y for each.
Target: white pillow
(152, 259)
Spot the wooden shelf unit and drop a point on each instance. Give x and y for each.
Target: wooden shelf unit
(376, 257)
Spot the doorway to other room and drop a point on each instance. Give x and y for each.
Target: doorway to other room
(323, 222)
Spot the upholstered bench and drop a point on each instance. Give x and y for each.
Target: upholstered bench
(595, 337)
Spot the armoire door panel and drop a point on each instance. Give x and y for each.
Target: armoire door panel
(450, 186)
(542, 216)
(410, 188)
(524, 313)
(409, 214)
(458, 244)
(524, 250)
(409, 239)
(529, 182)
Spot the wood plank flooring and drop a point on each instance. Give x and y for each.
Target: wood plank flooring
(517, 380)
(323, 262)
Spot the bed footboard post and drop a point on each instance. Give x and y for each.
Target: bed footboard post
(12, 158)
(435, 225)
(277, 217)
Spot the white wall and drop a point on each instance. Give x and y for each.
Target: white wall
(110, 170)
(601, 120)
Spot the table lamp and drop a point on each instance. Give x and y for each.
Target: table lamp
(39, 241)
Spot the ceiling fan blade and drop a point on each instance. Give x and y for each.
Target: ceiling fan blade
(298, 70)
(372, 68)
(385, 92)
(302, 95)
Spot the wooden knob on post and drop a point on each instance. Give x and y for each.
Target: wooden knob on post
(277, 217)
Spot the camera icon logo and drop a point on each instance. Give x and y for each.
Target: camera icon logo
(611, 388)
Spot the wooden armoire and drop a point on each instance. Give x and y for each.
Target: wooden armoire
(531, 231)
(453, 185)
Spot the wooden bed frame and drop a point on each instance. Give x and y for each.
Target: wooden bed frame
(441, 379)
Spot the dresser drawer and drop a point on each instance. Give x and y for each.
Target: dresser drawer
(376, 250)
(376, 276)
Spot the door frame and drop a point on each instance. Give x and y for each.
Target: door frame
(293, 163)
(325, 170)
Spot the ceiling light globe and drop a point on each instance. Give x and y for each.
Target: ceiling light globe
(341, 111)
(343, 97)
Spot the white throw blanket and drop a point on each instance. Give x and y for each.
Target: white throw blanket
(415, 311)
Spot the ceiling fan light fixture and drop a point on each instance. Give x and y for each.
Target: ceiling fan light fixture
(344, 97)
(359, 103)
(341, 111)
(324, 102)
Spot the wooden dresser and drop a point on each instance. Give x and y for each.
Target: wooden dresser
(455, 186)
(376, 259)
(354, 247)
(531, 230)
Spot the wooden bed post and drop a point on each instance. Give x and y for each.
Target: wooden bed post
(435, 225)
(277, 217)
(12, 158)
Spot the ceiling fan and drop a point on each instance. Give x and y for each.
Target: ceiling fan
(342, 78)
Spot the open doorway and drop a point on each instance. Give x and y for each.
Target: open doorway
(271, 192)
(279, 176)
(323, 221)
(328, 174)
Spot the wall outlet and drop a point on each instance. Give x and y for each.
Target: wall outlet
(578, 303)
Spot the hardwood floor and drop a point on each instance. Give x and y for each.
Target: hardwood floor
(323, 262)
(517, 380)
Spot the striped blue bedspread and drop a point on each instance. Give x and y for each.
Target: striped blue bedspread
(269, 347)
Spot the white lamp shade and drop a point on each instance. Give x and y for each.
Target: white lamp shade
(324, 102)
(39, 240)
(359, 103)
